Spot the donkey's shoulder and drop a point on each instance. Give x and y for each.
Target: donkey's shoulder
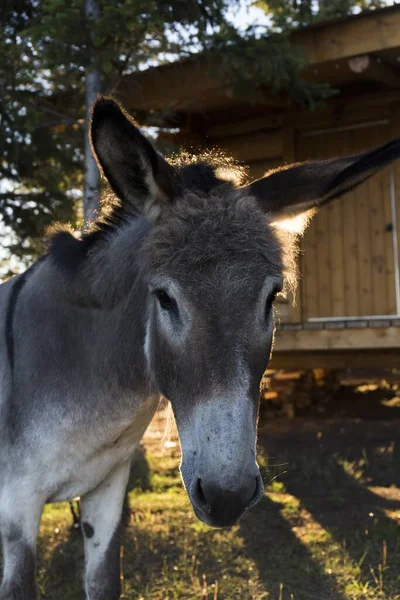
(7, 300)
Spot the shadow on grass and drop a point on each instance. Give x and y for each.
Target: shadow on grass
(61, 576)
(61, 573)
(282, 559)
(166, 555)
(140, 472)
(330, 474)
(166, 552)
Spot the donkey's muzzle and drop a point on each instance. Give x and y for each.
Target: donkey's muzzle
(222, 507)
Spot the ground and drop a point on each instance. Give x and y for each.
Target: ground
(328, 527)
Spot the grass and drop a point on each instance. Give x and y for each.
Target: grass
(327, 529)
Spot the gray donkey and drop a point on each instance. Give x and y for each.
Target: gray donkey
(171, 293)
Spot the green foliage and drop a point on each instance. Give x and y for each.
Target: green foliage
(39, 162)
(254, 65)
(45, 50)
(287, 14)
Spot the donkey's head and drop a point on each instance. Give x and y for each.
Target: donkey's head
(214, 265)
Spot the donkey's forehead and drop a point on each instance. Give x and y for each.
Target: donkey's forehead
(209, 233)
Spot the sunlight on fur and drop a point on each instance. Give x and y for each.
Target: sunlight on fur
(170, 431)
(296, 224)
(225, 167)
(289, 231)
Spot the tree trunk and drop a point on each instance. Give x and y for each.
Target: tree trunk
(91, 201)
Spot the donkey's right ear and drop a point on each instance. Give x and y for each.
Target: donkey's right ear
(137, 173)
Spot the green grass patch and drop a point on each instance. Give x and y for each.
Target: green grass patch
(320, 533)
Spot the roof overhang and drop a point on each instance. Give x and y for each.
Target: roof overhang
(174, 93)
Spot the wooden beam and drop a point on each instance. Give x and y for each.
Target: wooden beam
(368, 32)
(384, 72)
(194, 84)
(163, 87)
(226, 130)
(259, 168)
(395, 129)
(330, 359)
(302, 120)
(373, 68)
(186, 86)
(186, 82)
(338, 339)
(340, 114)
(253, 147)
(366, 100)
(184, 139)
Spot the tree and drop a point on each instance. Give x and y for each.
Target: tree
(289, 14)
(46, 50)
(39, 160)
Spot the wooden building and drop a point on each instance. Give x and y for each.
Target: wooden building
(347, 310)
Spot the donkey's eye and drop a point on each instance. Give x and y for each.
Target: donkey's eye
(270, 301)
(165, 300)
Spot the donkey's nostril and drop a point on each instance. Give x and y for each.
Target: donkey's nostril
(199, 497)
(222, 506)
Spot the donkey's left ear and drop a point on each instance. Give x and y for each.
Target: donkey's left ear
(137, 173)
(295, 189)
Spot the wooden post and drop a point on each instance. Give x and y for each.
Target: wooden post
(395, 130)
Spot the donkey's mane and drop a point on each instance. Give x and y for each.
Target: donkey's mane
(208, 194)
(199, 173)
(204, 230)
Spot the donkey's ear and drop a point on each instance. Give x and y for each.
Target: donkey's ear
(297, 188)
(137, 173)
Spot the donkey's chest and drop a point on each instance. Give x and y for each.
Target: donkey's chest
(81, 467)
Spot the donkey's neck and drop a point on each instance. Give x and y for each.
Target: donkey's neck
(113, 270)
(103, 309)
(118, 286)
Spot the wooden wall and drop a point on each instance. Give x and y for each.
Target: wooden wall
(348, 260)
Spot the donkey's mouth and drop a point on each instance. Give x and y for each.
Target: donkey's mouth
(226, 507)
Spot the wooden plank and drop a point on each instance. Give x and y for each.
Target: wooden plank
(363, 243)
(376, 276)
(178, 84)
(309, 273)
(194, 85)
(300, 120)
(184, 139)
(337, 147)
(337, 339)
(350, 250)
(250, 147)
(351, 114)
(309, 249)
(323, 234)
(380, 71)
(368, 32)
(395, 130)
(387, 224)
(336, 359)
(373, 190)
(259, 168)
(225, 130)
(377, 246)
